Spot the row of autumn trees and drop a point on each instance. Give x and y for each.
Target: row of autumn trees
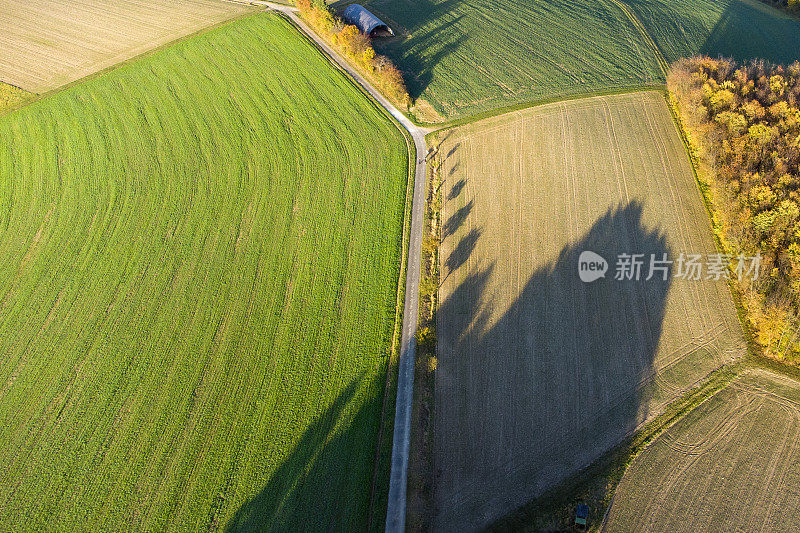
(357, 48)
(743, 124)
(793, 6)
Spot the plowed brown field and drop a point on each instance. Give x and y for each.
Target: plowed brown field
(540, 373)
(733, 464)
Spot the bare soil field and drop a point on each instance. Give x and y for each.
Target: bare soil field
(49, 43)
(733, 464)
(540, 373)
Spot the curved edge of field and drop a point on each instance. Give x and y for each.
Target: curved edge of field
(52, 44)
(124, 75)
(391, 459)
(732, 463)
(380, 484)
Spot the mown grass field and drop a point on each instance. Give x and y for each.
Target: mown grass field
(198, 284)
(733, 464)
(538, 372)
(463, 58)
(49, 43)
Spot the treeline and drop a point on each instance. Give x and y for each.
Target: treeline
(792, 6)
(357, 47)
(743, 123)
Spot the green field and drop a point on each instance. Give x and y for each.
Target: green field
(198, 283)
(742, 29)
(11, 97)
(467, 57)
(733, 464)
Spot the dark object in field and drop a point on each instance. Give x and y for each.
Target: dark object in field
(581, 515)
(369, 24)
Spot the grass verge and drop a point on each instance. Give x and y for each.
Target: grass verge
(12, 97)
(421, 467)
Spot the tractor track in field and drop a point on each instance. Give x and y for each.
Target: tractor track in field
(401, 439)
(648, 39)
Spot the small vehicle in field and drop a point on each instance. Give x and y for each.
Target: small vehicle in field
(581, 516)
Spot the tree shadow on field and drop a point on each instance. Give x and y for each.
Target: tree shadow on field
(456, 220)
(324, 483)
(457, 187)
(427, 32)
(462, 251)
(531, 390)
(744, 30)
(767, 34)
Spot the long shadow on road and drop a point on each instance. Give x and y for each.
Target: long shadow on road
(531, 390)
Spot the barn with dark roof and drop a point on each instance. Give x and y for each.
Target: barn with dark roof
(369, 24)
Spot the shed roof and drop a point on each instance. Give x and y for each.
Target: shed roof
(357, 15)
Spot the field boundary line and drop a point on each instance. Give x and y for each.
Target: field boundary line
(522, 106)
(525, 106)
(753, 354)
(610, 467)
(146, 53)
(391, 367)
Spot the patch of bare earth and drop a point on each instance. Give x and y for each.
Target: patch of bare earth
(538, 372)
(49, 43)
(731, 465)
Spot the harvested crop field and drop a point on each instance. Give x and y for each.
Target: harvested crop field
(733, 464)
(539, 373)
(198, 284)
(49, 43)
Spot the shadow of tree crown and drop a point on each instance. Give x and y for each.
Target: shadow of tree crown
(528, 395)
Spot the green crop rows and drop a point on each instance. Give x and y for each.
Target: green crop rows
(741, 29)
(198, 282)
(465, 58)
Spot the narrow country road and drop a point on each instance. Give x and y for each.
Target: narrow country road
(396, 512)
